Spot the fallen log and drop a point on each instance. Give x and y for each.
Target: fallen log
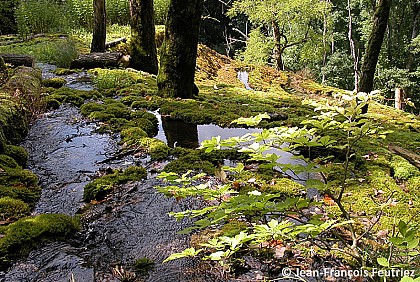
(413, 158)
(99, 60)
(115, 42)
(18, 60)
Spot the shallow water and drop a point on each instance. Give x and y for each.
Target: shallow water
(133, 223)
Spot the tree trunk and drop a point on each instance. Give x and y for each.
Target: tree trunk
(354, 50)
(278, 48)
(179, 49)
(399, 98)
(99, 26)
(416, 15)
(373, 49)
(142, 42)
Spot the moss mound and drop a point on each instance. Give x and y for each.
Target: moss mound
(7, 161)
(18, 153)
(99, 188)
(10, 207)
(402, 169)
(20, 237)
(55, 82)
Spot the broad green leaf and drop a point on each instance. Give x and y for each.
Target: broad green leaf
(190, 252)
(383, 261)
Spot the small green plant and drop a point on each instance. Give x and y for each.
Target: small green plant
(339, 126)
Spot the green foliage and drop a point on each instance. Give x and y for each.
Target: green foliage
(161, 8)
(259, 48)
(403, 248)
(54, 50)
(99, 188)
(20, 237)
(115, 79)
(41, 16)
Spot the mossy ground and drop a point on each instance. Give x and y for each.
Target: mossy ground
(99, 188)
(382, 180)
(20, 237)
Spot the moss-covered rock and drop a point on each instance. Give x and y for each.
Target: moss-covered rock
(7, 161)
(143, 265)
(10, 207)
(20, 237)
(18, 153)
(18, 176)
(284, 186)
(190, 162)
(88, 108)
(132, 134)
(28, 194)
(118, 110)
(99, 188)
(55, 82)
(402, 169)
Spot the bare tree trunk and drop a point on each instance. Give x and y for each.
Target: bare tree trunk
(142, 42)
(179, 49)
(373, 49)
(354, 50)
(414, 32)
(324, 43)
(278, 48)
(399, 98)
(99, 26)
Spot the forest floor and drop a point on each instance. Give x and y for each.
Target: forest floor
(386, 183)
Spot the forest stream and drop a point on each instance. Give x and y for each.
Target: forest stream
(65, 153)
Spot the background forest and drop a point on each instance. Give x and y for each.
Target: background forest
(322, 40)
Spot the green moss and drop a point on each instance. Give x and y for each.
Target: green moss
(52, 103)
(283, 186)
(63, 71)
(10, 207)
(7, 161)
(20, 237)
(88, 108)
(55, 82)
(156, 148)
(18, 153)
(99, 188)
(29, 195)
(190, 162)
(118, 110)
(143, 264)
(72, 96)
(402, 169)
(101, 116)
(132, 134)
(149, 127)
(17, 176)
(233, 228)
